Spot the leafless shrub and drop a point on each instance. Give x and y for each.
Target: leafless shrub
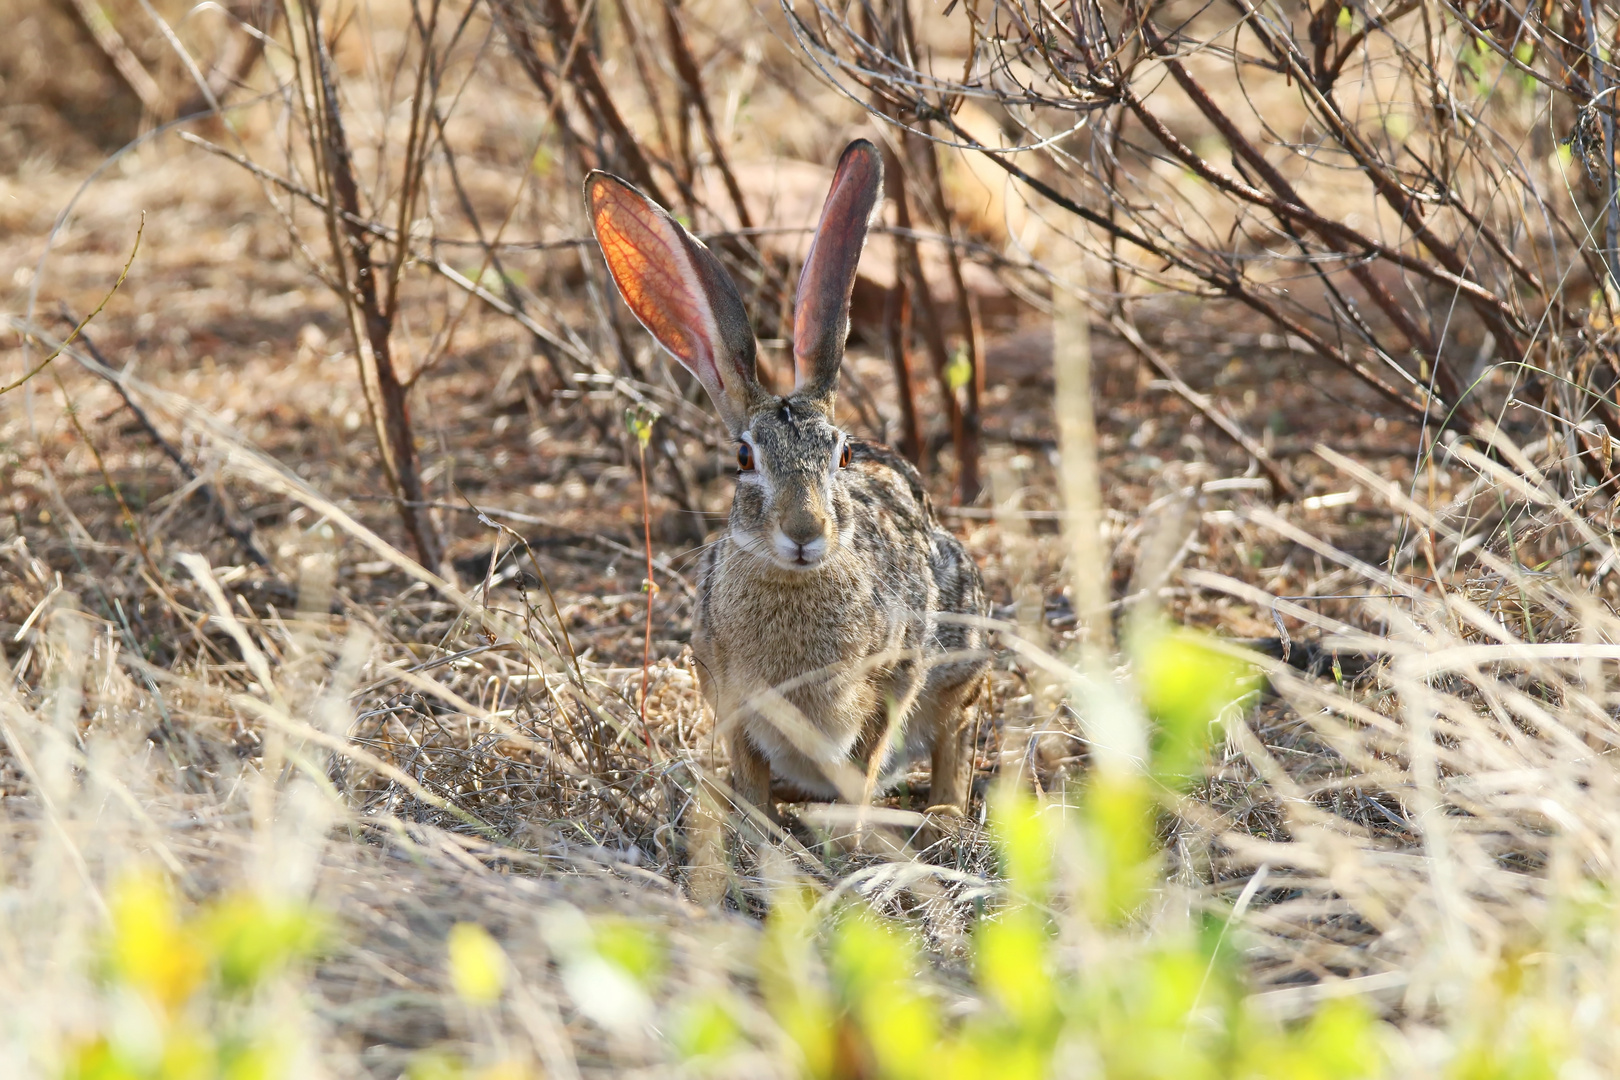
(1389, 187)
(1404, 817)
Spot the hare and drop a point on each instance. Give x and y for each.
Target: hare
(824, 631)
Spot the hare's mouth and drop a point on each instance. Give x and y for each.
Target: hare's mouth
(792, 554)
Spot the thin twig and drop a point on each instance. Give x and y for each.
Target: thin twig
(242, 532)
(650, 585)
(122, 274)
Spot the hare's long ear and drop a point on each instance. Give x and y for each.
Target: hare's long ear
(821, 310)
(679, 291)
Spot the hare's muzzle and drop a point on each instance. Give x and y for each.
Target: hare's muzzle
(801, 538)
(788, 502)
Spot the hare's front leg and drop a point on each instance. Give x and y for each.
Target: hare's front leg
(750, 772)
(947, 711)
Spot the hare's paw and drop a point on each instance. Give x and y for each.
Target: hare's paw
(943, 826)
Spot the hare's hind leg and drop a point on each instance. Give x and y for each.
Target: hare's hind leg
(947, 712)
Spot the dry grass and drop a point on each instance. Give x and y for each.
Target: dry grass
(1420, 811)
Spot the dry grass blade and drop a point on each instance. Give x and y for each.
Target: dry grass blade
(1335, 405)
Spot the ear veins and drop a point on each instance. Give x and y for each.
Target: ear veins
(645, 252)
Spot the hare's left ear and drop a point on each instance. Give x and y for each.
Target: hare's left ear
(821, 309)
(679, 291)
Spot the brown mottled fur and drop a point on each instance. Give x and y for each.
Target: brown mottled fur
(802, 665)
(824, 635)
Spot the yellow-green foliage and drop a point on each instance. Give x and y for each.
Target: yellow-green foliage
(1141, 1005)
(178, 985)
(477, 965)
(1063, 967)
(1086, 964)
(1185, 681)
(439, 1066)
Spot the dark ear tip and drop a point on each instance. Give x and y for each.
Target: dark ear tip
(862, 148)
(862, 154)
(593, 181)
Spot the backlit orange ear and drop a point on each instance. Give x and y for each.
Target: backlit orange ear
(653, 274)
(678, 291)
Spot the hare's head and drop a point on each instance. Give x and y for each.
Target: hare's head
(792, 506)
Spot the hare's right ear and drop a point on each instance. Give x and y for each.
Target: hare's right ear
(679, 291)
(821, 308)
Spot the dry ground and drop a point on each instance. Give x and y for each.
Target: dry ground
(493, 777)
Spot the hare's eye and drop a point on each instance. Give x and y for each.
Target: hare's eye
(745, 457)
(846, 456)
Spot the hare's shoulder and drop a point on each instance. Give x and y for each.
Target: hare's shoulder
(909, 479)
(956, 576)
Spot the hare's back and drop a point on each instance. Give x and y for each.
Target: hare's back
(957, 587)
(905, 478)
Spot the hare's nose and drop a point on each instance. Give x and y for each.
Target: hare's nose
(800, 552)
(804, 534)
(802, 528)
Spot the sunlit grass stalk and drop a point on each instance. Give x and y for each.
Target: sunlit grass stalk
(641, 426)
(1117, 800)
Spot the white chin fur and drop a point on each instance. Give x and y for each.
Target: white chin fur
(794, 556)
(781, 552)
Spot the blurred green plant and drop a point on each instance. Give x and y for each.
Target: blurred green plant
(181, 987)
(1065, 969)
(628, 945)
(1186, 680)
(477, 965)
(436, 1065)
(959, 369)
(706, 1029)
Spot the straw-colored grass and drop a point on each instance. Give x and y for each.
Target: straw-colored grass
(337, 813)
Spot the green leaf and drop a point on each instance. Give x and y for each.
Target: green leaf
(1025, 841)
(97, 1060)
(1011, 954)
(705, 1028)
(1342, 1039)
(1118, 814)
(150, 949)
(1186, 681)
(434, 1065)
(876, 969)
(959, 371)
(791, 979)
(252, 939)
(631, 946)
